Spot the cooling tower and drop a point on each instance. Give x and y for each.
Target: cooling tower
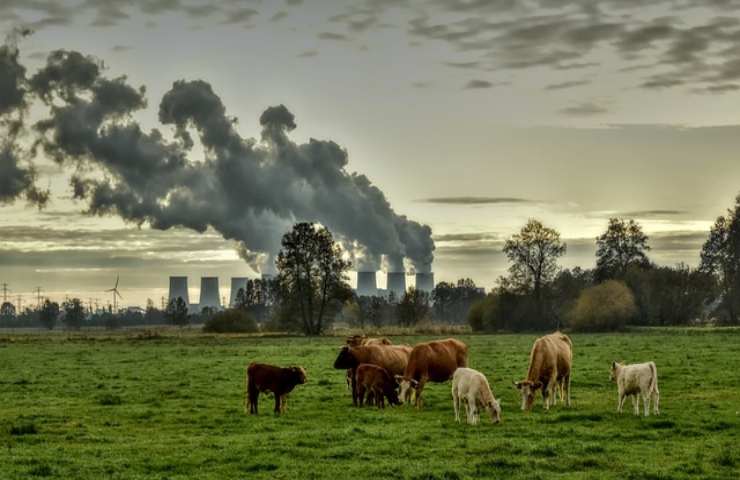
(236, 284)
(425, 282)
(179, 288)
(397, 284)
(366, 284)
(209, 294)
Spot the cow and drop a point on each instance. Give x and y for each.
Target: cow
(376, 380)
(640, 379)
(471, 387)
(391, 357)
(269, 378)
(550, 364)
(359, 340)
(434, 361)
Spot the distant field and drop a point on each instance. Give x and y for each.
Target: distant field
(118, 407)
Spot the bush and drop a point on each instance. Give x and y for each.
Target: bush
(230, 321)
(608, 306)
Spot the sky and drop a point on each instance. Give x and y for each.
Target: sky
(468, 116)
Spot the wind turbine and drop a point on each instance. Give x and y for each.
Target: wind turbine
(116, 294)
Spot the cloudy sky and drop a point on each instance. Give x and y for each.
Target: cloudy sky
(470, 116)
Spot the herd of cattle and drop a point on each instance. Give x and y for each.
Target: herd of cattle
(378, 371)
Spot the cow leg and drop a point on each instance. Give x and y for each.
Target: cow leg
(354, 387)
(567, 388)
(284, 403)
(620, 402)
(419, 389)
(277, 404)
(380, 398)
(473, 410)
(646, 403)
(455, 404)
(635, 404)
(656, 402)
(360, 389)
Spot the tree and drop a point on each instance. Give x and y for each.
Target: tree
(534, 253)
(74, 313)
(720, 256)
(312, 275)
(413, 307)
(7, 312)
(607, 306)
(48, 314)
(452, 301)
(176, 312)
(230, 321)
(622, 245)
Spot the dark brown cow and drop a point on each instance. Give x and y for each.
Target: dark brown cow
(376, 380)
(269, 378)
(391, 357)
(431, 362)
(550, 364)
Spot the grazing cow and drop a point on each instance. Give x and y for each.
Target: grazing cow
(359, 340)
(550, 364)
(391, 357)
(640, 379)
(268, 378)
(434, 361)
(376, 380)
(471, 387)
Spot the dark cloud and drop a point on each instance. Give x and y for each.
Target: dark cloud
(279, 16)
(332, 36)
(464, 65)
(478, 84)
(121, 48)
(584, 109)
(564, 85)
(476, 200)
(308, 53)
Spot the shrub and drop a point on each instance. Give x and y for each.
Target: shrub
(230, 321)
(608, 306)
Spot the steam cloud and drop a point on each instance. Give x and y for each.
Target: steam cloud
(249, 190)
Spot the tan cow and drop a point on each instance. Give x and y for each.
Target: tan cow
(391, 357)
(471, 388)
(550, 364)
(637, 379)
(434, 361)
(360, 340)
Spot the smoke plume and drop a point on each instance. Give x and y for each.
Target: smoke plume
(249, 190)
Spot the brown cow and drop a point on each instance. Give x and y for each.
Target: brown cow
(550, 363)
(434, 361)
(391, 357)
(359, 340)
(376, 380)
(280, 381)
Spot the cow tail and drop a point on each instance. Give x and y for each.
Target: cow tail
(654, 378)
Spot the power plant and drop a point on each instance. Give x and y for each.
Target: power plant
(425, 282)
(396, 284)
(179, 288)
(366, 284)
(209, 293)
(236, 284)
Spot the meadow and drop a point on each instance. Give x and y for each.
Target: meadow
(128, 406)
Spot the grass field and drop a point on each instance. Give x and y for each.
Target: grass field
(172, 407)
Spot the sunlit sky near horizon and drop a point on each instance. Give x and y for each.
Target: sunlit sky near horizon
(471, 116)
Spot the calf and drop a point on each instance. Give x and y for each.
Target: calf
(471, 387)
(434, 361)
(550, 363)
(376, 380)
(269, 378)
(633, 380)
(360, 340)
(391, 357)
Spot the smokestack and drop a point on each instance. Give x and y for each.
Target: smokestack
(209, 294)
(366, 284)
(425, 282)
(397, 283)
(236, 284)
(179, 288)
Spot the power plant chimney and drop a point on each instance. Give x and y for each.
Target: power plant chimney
(236, 284)
(179, 288)
(425, 282)
(209, 294)
(397, 284)
(366, 284)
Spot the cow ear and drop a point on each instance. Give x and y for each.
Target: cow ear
(614, 364)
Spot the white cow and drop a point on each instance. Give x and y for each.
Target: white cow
(638, 379)
(471, 386)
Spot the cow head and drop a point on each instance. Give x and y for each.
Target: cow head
(299, 374)
(345, 360)
(613, 371)
(407, 385)
(528, 389)
(494, 409)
